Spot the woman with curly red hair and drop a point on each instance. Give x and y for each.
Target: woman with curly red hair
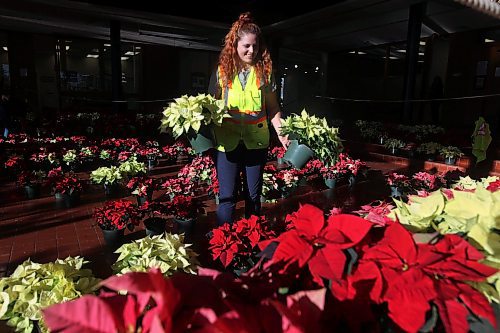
(244, 81)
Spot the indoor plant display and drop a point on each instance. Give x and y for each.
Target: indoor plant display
(187, 114)
(31, 181)
(400, 184)
(70, 188)
(170, 153)
(450, 154)
(429, 149)
(108, 176)
(184, 209)
(167, 252)
(311, 136)
(142, 187)
(277, 153)
(70, 158)
(235, 246)
(34, 286)
(113, 217)
(154, 221)
(131, 167)
(393, 145)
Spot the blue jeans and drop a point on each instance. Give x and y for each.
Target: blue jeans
(229, 165)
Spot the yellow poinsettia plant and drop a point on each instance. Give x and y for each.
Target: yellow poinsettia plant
(190, 112)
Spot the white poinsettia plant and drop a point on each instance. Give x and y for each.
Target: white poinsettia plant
(190, 112)
(166, 252)
(34, 286)
(315, 133)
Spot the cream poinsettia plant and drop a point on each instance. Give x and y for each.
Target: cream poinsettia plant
(166, 252)
(190, 112)
(34, 286)
(315, 133)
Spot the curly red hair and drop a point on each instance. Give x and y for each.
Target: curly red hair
(228, 59)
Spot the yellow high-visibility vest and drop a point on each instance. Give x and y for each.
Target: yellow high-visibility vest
(248, 121)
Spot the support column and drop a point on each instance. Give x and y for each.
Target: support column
(116, 65)
(416, 16)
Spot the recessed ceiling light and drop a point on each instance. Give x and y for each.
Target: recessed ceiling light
(422, 42)
(296, 66)
(5, 48)
(131, 53)
(421, 53)
(361, 52)
(67, 47)
(95, 56)
(124, 58)
(487, 40)
(107, 45)
(393, 58)
(401, 50)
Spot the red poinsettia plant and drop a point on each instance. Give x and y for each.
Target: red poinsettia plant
(178, 186)
(277, 152)
(376, 212)
(398, 180)
(170, 153)
(117, 214)
(413, 278)
(68, 185)
(142, 186)
(183, 207)
(235, 244)
(30, 178)
(427, 182)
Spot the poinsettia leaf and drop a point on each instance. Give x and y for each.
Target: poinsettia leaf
(293, 248)
(408, 296)
(308, 220)
(477, 303)
(146, 286)
(346, 230)
(453, 315)
(74, 316)
(327, 263)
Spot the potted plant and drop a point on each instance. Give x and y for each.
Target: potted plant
(185, 210)
(191, 115)
(429, 149)
(108, 176)
(236, 245)
(399, 184)
(69, 187)
(393, 145)
(167, 252)
(277, 153)
(170, 153)
(132, 167)
(154, 222)
(450, 154)
(150, 154)
(114, 217)
(142, 187)
(311, 136)
(31, 181)
(34, 286)
(70, 158)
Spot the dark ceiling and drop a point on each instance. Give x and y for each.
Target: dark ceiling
(224, 11)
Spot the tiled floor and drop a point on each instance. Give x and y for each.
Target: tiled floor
(42, 230)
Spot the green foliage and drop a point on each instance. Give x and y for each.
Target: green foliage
(166, 252)
(315, 133)
(392, 143)
(429, 148)
(131, 167)
(189, 112)
(450, 152)
(105, 175)
(35, 286)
